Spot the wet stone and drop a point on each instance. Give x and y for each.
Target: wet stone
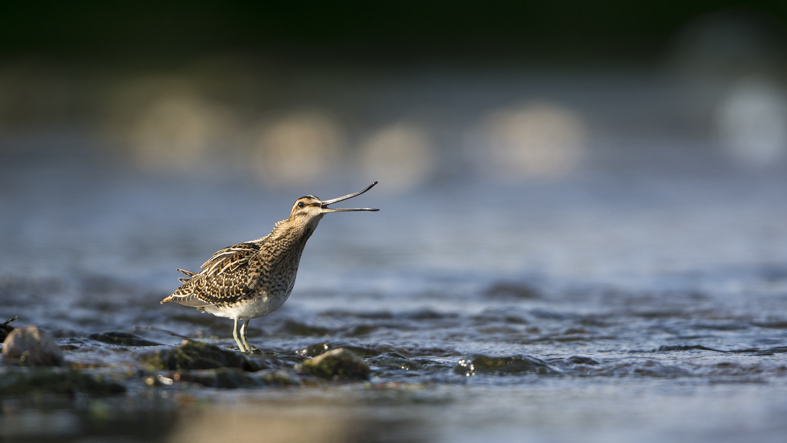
(122, 339)
(514, 364)
(323, 347)
(194, 354)
(32, 346)
(337, 364)
(581, 360)
(19, 381)
(280, 378)
(224, 378)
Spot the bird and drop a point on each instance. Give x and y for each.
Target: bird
(254, 278)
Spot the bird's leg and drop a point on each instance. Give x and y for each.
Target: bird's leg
(249, 348)
(235, 336)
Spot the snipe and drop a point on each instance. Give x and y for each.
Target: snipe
(254, 278)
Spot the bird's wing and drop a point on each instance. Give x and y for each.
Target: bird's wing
(229, 276)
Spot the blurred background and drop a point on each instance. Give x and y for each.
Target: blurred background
(172, 115)
(409, 93)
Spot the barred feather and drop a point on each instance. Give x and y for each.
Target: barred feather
(229, 276)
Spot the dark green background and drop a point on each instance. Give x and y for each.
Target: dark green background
(567, 28)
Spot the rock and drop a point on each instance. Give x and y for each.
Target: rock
(362, 351)
(32, 346)
(515, 364)
(580, 360)
(194, 354)
(122, 338)
(6, 329)
(225, 378)
(280, 378)
(14, 381)
(337, 364)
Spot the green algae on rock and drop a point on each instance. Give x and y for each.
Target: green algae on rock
(337, 364)
(194, 354)
(24, 381)
(514, 364)
(122, 339)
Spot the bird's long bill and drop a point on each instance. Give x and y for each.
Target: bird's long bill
(325, 203)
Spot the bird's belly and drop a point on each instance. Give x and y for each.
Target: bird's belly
(258, 305)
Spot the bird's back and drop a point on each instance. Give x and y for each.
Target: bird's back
(267, 267)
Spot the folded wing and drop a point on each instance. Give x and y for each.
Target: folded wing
(230, 275)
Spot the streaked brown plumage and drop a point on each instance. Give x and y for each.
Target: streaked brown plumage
(253, 279)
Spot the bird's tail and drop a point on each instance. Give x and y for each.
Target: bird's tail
(186, 300)
(189, 275)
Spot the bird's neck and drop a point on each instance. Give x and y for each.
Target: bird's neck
(288, 234)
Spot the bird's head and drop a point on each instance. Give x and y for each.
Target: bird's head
(310, 209)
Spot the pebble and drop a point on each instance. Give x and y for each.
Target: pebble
(337, 364)
(32, 346)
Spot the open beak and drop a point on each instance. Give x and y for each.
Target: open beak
(325, 203)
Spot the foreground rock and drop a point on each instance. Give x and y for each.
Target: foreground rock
(194, 354)
(26, 381)
(280, 377)
(337, 364)
(226, 378)
(233, 378)
(514, 364)
(32, 346)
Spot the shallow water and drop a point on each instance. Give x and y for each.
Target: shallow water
(653, 298)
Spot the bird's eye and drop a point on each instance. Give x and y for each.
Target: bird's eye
(301, 204)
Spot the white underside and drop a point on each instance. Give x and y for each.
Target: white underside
(260, 306)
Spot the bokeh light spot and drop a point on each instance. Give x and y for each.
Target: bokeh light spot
(534, 140)
(752, 123)
(401, 155)
(297, 148)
